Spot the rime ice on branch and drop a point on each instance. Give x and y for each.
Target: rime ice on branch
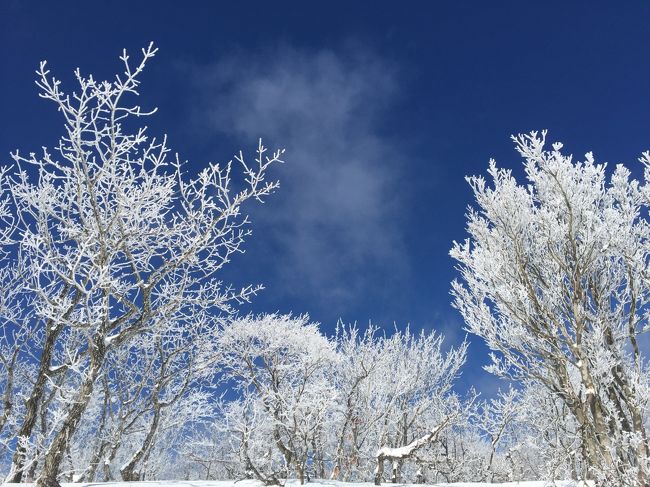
(111, 241)
(555, 279)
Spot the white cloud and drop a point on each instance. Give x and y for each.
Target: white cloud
(337, 224)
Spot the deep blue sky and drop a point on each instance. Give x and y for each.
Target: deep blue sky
(383, 109)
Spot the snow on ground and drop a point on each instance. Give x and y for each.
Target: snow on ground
(295, 483)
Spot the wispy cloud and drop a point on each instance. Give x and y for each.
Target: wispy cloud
(338, 224)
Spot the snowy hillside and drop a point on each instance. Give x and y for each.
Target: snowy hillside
(295, 483)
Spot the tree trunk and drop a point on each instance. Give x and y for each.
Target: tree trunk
(300, 470)
(54, 454)
(128, 472)
(91, 471)
(397, 454)
(100, 442)
(9, 389)
(394, 478)
(379, 469)
(319, 462)
(32, 405)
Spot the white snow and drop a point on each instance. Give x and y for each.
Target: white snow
(109, 339)
(315, 483)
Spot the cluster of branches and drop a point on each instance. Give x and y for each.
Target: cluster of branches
(555, 279)
(111, 256)
(117, 334)
(303, 405)
(299, 404)
(340, 406)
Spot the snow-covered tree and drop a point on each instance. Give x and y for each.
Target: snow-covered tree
(543, 440)
(116, 242)
(416, 396)
(395, 398)
(358, 378)
(279, 364)
(555, 279)
(178, 360)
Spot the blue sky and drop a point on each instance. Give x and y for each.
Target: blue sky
(383, 108)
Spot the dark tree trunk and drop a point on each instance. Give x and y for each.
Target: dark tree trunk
(128, 472)
(54, 454)
(32, 405)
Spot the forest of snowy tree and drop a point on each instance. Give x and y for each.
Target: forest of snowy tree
(123, 357)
